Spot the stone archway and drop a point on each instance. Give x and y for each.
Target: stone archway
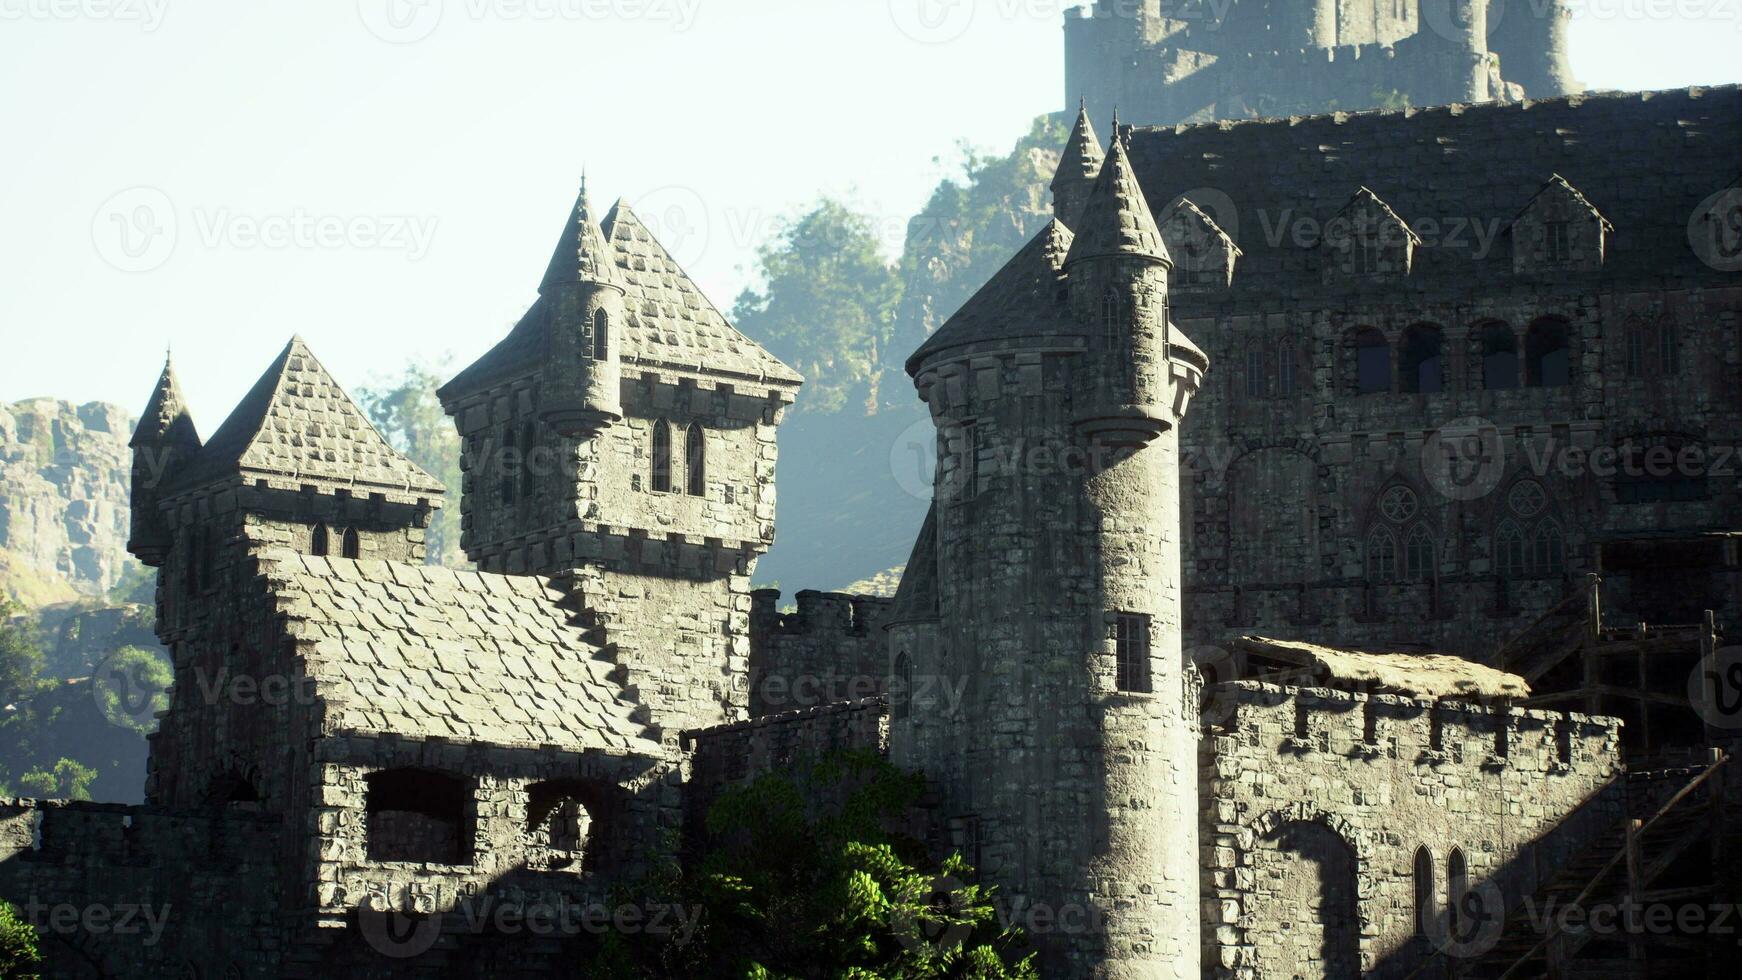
(1304, 909)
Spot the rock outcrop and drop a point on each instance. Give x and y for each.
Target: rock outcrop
(63, 498)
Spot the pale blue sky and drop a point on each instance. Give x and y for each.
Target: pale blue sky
(386, 197)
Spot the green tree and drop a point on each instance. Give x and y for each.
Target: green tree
(131, 686)
(827, 306)
(68, 780)
(409, 414)
(19, 955)
(20, 658)
(800, 878)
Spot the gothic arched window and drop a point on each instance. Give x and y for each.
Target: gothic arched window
(661, 450)
(695, 461)
(1285, 369)
(1424, 890)
(1669, 353)
(351, 544)
(601, 335)
(321, 542)
(1457, 891)
(1112, 315)
(1381, 554)
(1548, 549)
(1528, 540)
(1418, 554)
(1509, 550)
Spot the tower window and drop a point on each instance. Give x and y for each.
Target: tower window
(1255, 374)
(1381, 555)
(1457, 895)
(901, 687)
(695, 461)
(1424, 891)
(1423, 369)
(661, 463)
(601, 335)
(1418, 554)
(352, 544)
(1285, 369)
(1372, 362)
(1668, 349)
(1499, 357)
(418, 815)
(1558, 242)
(1112, 315)
(1131, 652)
(1635, 351)
(321, 542)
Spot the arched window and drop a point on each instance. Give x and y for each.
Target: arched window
(1669, 352)
(695, 460)
(1285, 369)
(1423, 368)
(1637, 344)
(901, 687)
(1381, 555)
(351, 544)
(601, 335)
(1424, 891)
(1547, 361)
(661, 451)
(1255, 373)
(1509, 550)
(321, 542)
(528, 459)
(1457, 891)
(1548, 550)
(1372, 362)
(1499, 357)
(1112, 315)
(1418, 554)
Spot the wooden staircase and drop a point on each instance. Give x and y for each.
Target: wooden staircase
(1665, 854)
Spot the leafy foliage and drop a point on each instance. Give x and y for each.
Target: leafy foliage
(827, 306)
(410, 416)
(68, 780)
(20, 658)
(801, 879)
(132, 686)
(19, 955)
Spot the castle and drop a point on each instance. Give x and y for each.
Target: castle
(1161, 62)
(353, 733)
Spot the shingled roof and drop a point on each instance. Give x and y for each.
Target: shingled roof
(166, 421)
(1020, 300)
(416, 650)
(1116, 219)
(916, 598)
(1082, 156)
(581, 252)
(669, 323)
(1486, 163)
(296, 423)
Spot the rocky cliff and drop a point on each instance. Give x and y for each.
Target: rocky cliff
(63, 499)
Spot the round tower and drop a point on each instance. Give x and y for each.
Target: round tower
(163, 442)
(1050, 710)
(582, 293)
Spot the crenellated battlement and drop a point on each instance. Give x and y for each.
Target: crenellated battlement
(831, 649)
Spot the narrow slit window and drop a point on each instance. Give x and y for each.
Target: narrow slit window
(661, 450)
(352, 544)
(696, 461)
(601, 335)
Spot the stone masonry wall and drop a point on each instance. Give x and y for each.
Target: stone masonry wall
(142, 892)
(832, 649)
(1317, 800)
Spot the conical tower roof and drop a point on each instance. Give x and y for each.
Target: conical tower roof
(166, 421)
(296, 424)
(1116, 220)
(583, 254)
(1081, 159)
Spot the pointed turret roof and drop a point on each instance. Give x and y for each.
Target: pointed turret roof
(1023, 299)
(582, 253)
(1081, 160)
(1116, 219)
(166, 421)
(296, 424)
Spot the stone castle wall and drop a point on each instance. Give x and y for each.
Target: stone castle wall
(731, 755)
(1316, 804)
(832, 649)
(145, 892)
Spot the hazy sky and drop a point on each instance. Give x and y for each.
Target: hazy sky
(387, 177)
